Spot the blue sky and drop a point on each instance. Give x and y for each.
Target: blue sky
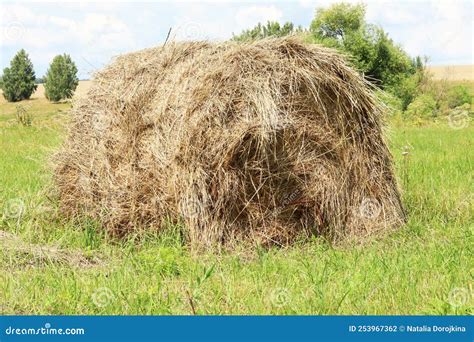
(93, 32)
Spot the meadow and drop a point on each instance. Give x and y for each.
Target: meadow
(50, 265)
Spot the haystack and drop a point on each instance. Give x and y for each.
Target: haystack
(266, 141)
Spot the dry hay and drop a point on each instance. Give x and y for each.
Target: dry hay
(36, 255)
(263, 141)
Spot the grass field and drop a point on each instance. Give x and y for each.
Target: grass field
(49, 265)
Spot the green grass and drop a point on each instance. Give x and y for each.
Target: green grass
(424, 268)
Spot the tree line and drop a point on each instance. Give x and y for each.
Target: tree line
(403, 81)
(19, 81)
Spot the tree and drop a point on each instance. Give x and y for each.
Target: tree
(372, 52)
(338, 20)
(18, 81)
(271, 29)
(369, 48)
(61, 80)
(409, 87)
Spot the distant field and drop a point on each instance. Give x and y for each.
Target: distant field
(82, 88)
(453, 72)
(38, 105)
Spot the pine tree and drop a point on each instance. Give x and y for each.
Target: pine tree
(18, 81)
(61, 78)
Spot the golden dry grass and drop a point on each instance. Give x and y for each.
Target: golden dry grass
(452, 72)
(38, 105)
(42, 254)
(82, 89)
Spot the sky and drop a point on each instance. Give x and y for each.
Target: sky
(93, 32)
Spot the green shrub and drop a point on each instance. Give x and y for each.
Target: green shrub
(458, 95)
(406, 91)
(18, 81)
(423, 106)
(61, 79)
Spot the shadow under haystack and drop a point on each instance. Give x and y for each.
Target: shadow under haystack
(264, 141)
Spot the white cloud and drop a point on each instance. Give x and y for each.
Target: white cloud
(15, 23)
(310, 4)
(99, 31)
(441, 30)
(189, 28)
(248, 17)
(16, 13)
(95, 31)
(392, 13)
(451, 29)
(92, 38)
